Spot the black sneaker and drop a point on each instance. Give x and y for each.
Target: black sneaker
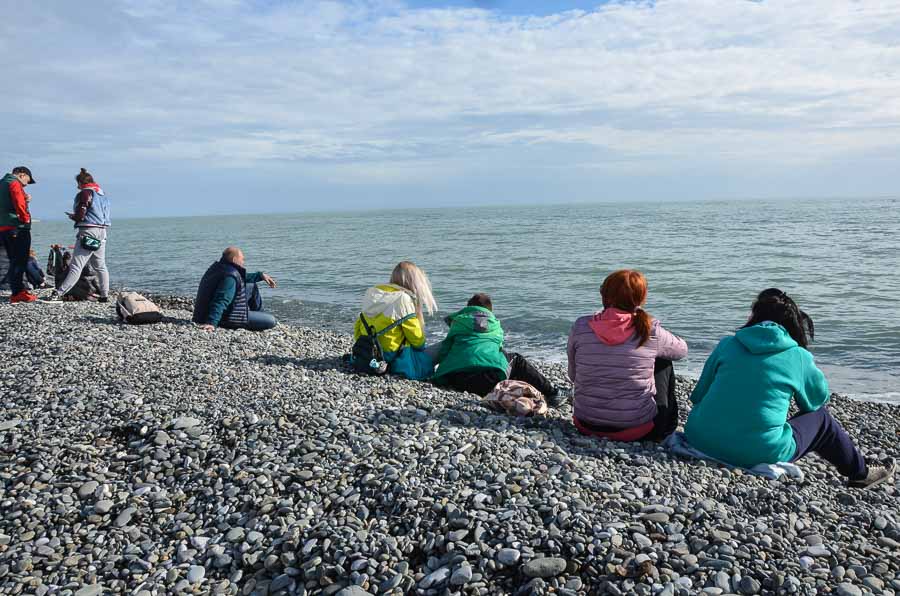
(103, 299)
(559, 397)
(875, 475)
(54, 297)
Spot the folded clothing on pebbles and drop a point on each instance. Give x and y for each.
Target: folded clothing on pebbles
(164, 458)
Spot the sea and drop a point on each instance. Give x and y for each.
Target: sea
(543, 266)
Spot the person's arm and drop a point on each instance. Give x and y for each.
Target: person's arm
(446, 346)
(813, 391)
(707, 376)
(570, 353)
(20, 204)
(221, 300)
(255, 278)
(82, 204)
(669, 346)
(413, 332)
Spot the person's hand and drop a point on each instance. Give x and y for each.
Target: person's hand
(27, 198)
(269, 281)
(207, 327)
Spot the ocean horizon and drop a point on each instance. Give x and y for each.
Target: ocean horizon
(543, 265)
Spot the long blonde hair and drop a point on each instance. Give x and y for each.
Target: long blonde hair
(407, 275)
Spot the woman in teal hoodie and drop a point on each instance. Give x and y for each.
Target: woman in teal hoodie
(741, 402)
(472, 358)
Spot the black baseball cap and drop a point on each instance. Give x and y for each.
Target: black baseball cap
(24, 170)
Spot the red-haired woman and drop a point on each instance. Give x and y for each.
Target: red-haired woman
(620, 363)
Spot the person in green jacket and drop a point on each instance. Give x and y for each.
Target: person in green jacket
(741, 401)
(471, 357)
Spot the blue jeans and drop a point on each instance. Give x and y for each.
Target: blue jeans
(260, 321)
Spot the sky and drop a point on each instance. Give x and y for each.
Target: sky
(243, 106)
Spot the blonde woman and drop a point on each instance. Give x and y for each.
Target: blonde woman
(394, 312)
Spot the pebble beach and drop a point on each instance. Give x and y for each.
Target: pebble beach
(165, 459)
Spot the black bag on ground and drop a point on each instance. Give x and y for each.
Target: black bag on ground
(366, 355)
(137, 310)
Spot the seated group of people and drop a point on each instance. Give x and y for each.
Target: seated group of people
(620, 365)
(619, 362)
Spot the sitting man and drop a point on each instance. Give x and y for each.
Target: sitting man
(223, 298)
(33, 272)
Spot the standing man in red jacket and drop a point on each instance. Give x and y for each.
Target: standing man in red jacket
(15, 229)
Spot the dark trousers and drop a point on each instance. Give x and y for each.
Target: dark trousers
(666, 420)
(260, 321)
(482, 382)
(17, 244)
(820, 433)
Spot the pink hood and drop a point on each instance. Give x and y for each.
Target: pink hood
(613, 326)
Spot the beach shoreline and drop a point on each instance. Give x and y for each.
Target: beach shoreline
(165, 458)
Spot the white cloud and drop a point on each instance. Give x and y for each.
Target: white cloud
(232, 81)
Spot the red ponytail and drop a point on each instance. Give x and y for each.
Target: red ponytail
(626, 290)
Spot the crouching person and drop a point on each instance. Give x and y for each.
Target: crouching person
(472, 358)
(227, 296)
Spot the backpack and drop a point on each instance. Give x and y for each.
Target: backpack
(136, 309)
(56, 266)
(367, 355)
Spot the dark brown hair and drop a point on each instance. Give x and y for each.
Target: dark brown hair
(482, 300)
(626, 289)
(84, 177)
(776, 306)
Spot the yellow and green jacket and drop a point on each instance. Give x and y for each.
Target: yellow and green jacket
(382, 306)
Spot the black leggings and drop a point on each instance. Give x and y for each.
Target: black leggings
(481, 382)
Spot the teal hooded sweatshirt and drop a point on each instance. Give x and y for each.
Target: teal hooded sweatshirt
(473, 342)
(741, 402)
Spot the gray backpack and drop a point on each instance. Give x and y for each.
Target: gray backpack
(136, 309)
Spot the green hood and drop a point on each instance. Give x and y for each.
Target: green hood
(765, 338)
(474, 342)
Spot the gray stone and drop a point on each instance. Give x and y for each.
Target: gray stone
(508, 556)
(544, 567)
(353, 591)
(749, 585)
(87, 489)
(196, 573)
(103, 506)
(461, 576)
(848, 589)
(124, 517)
(435, 578)
(235, 535)
(185, 422)
(92, 590)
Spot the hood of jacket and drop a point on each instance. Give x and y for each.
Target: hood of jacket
(765, 338)
(389, 300)
(613, 326)
(92, 186)
(475, 319)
